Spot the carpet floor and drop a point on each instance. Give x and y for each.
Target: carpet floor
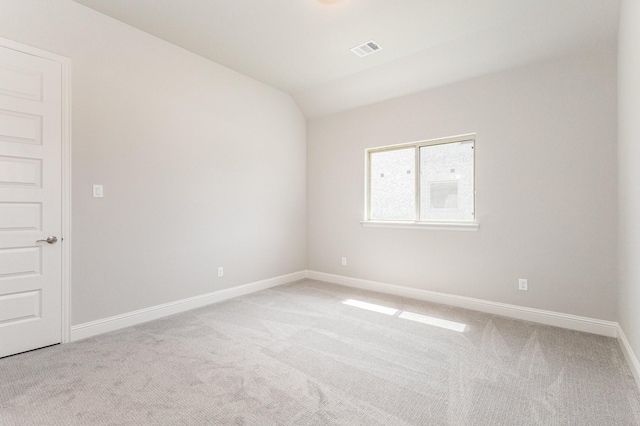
(299, 355)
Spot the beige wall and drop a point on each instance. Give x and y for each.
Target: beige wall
(629, 171)
(546, 188)
(201, 166)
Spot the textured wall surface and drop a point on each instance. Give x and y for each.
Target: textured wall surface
(204, 167)
(629, 172)
(545, 180)
(201, 166)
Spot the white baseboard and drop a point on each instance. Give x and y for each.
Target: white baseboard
(572, 322)
(92, 328)
(632, 360)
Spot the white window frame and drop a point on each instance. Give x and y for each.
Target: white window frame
(471, 225)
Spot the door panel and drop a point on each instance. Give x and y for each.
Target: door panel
(23, 128)
(18, 307)
(30, 202)
(21, 82)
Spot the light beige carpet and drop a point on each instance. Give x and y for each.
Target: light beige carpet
(298, 355)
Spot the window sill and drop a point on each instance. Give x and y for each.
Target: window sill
(434, 226)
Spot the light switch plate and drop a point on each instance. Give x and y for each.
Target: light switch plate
(98, 191)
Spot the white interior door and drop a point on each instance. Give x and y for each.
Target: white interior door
(30, 202)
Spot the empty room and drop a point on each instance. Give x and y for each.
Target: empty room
(319, 212)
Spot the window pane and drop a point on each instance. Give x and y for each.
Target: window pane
(393, 185)
(443, 195)
(446, 182)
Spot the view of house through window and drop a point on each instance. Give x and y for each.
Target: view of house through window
(429, 181)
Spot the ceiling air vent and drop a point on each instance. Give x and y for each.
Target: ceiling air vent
(366, 48)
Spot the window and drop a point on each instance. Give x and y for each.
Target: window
(428, 183)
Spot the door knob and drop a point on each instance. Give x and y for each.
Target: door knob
(50, 240)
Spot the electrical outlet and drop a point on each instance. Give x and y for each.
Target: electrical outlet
(344, 261)
(98, 191)
(522, 284)
(220, 271)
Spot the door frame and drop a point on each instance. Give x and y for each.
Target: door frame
(66, 175)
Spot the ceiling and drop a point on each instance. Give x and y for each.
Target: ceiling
(302, 46)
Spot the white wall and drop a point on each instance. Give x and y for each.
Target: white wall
(546, 188)
(629, 171)
(201, 166)
(204, 167)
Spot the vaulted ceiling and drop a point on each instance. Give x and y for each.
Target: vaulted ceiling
(303, 46)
